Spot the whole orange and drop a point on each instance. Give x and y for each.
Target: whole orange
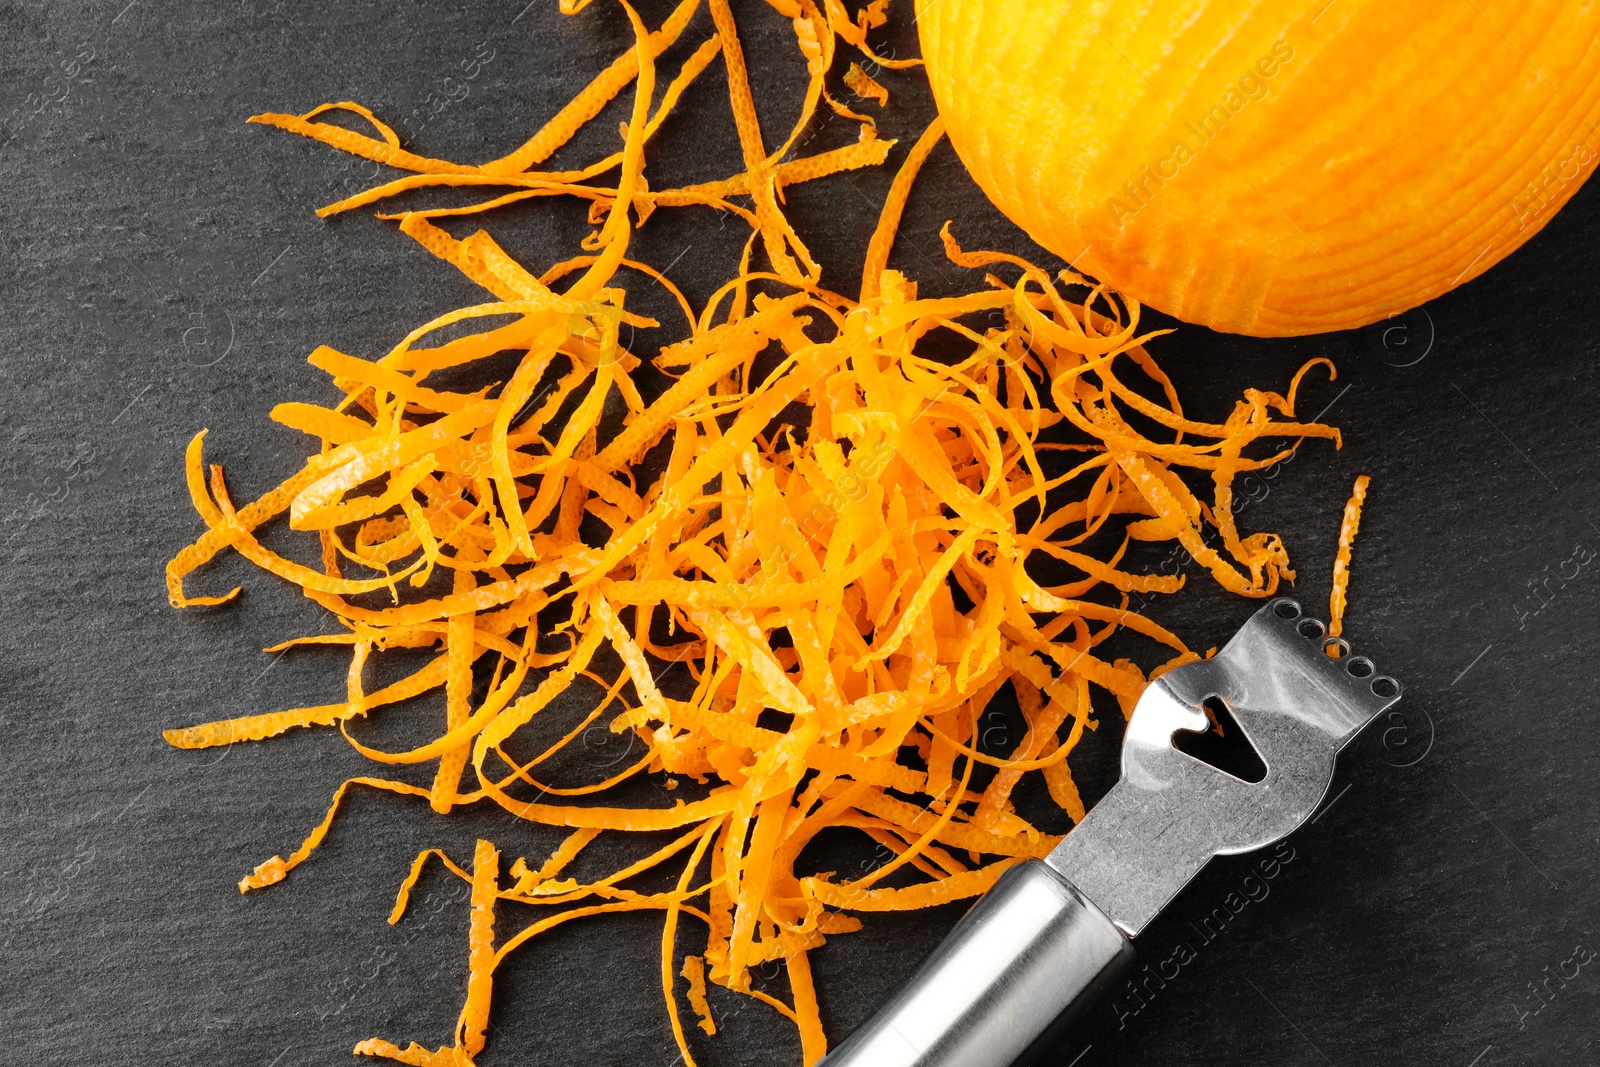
(1272, 167)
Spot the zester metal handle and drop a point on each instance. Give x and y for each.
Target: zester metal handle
(1007, 980)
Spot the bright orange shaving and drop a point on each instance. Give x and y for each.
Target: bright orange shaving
(1348, 526)
(846, 591)
(862, 84)
(694, 972)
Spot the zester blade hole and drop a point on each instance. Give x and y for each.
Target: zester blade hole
(1222, 744)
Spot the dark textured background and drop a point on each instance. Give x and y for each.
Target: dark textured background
(162, 272)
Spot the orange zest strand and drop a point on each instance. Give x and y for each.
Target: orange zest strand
(889, 219)
(1349, 525)
(694, 972)
(693, 966)
(275, 869)
(862, 84)
(473, 1023)
(645, 595)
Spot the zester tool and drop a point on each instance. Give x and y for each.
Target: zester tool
(1055, 935)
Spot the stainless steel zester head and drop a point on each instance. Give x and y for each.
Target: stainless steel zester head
(1170, 813)
(1053, 935)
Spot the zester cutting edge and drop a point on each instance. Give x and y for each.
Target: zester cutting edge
(1055, 935)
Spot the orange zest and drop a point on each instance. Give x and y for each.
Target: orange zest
(782, 571)
(1348, 527)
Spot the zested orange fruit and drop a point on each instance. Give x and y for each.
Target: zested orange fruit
(1273, 168)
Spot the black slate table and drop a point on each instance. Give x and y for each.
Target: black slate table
(162, 272)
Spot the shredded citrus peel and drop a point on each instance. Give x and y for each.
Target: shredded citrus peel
(1349, 525)
(847, 594)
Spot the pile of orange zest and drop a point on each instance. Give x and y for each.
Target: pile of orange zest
(1348, 527)
(846, 595)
